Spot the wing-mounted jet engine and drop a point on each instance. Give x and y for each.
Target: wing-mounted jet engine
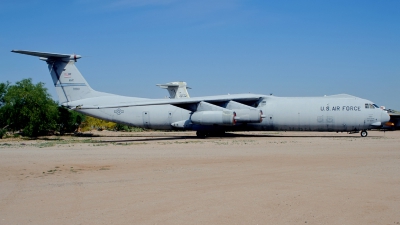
(214, 114)
(204, 113)
(209, 114)
(244, 113)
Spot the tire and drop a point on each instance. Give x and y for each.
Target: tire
(201, 134)
(364, 133)
(216, 134)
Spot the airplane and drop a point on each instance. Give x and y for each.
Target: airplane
(211, 115)
(176, 89)
(394, 122)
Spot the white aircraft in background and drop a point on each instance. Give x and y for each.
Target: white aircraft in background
(212, 114)
(176, 89)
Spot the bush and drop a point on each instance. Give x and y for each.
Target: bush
(2, 132)
(28, 107)
(68, 120)
(92, 123)
(126, 128)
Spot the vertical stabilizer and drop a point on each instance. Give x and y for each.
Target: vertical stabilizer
(68, 81)
(176, 89)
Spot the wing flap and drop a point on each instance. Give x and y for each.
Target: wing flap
(92, 104)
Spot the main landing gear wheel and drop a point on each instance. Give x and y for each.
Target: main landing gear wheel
(364, 133)
(201, 134)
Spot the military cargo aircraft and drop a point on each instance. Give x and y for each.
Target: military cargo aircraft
(212, 114)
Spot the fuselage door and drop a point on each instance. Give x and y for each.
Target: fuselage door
(146, 119)
(270, 122)
(170, 117)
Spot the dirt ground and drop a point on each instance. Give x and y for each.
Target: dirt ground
(175, 178)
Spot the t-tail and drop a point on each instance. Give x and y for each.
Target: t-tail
(68, 81)
(176, 89)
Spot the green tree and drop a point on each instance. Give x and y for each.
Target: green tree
(28, 107)
(3, 91)
(3, 122)
(68, 120)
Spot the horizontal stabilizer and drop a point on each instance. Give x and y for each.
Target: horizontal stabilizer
(165, 86)
(173, 84)
(47, 54)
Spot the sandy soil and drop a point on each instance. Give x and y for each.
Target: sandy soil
(175, 178)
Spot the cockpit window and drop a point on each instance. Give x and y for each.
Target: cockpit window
(371, 106)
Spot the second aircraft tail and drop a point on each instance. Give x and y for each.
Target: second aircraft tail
(176, 89)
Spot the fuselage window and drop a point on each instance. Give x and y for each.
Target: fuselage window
(366, 105)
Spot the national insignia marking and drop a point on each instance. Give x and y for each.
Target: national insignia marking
(118, 111)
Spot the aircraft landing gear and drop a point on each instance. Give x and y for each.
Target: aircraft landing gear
(215, 133)
(364, 133)
(201, 134)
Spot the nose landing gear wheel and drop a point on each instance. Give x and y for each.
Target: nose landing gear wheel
(364, 133)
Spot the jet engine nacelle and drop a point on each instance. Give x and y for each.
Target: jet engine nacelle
(223, 118)
(249, 115)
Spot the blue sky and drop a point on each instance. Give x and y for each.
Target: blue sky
(288, 48)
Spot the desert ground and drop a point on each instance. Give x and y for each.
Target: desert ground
(176, 178)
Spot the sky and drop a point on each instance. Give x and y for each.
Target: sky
(285, 48)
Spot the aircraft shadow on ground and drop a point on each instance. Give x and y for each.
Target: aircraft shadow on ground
(285, 136)
(153, 138)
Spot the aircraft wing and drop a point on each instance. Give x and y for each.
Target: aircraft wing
(247, 99)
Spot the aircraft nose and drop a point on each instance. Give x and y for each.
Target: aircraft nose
(384, 117)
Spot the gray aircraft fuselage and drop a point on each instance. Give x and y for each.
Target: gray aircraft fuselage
(330, 113)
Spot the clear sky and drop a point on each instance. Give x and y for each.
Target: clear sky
(288, 48)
